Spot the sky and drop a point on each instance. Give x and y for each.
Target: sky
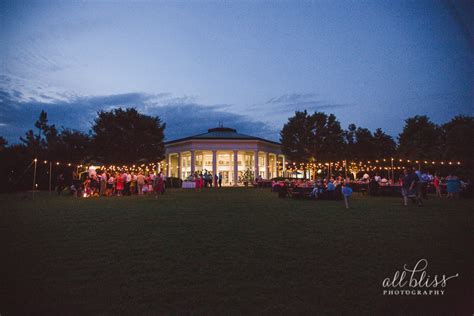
(247, 64)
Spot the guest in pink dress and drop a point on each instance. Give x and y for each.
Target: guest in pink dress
(119, 186)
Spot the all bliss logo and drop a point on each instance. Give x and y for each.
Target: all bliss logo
(416, 281)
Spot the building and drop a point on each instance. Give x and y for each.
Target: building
(225, 151)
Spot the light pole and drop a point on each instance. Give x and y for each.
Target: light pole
(50, 170)
(393, 176)
(34, 174)
(345, 169)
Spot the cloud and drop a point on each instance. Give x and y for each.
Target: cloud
(292, 98)
(183, 115)
(288, 103)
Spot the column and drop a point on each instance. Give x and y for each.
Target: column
(168, 165)
(267, 165)
(284, 165)
(275, 164)
(193, 162)
(214, 164)
(236, 167)
(255, 160)
(179, 165)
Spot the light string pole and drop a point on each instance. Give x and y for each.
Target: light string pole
(34, 174)
(50, 175)
(345, 169)
(393, 175)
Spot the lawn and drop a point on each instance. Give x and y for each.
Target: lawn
(228, 251)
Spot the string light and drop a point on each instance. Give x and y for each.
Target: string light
(368, 165)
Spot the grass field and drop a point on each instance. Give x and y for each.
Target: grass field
(228, 251)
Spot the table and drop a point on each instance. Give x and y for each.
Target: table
(188, 185)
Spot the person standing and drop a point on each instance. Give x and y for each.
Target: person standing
(140, 183)
(133, 184)
(158, 185)
(103, 183)
(347, 192)
(201, 181)
(220, 179)
(110, 185)
(453, 186)
(60, 183)
(128, 180)
(216, 180)
(409, 187)
(204, 178)
(437, 186)
(119, 184)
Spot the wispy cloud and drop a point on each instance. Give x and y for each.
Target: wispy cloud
(292, 98)
(182, 114)
(278, 109)
(301, 101)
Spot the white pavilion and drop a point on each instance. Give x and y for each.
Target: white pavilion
(224, 151)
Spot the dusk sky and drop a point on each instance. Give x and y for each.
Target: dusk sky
(248, 64)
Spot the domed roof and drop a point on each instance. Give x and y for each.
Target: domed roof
(221, 132)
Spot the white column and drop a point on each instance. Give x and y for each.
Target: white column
(284, 165)
(168, 165)
(214, 164)
(193, 162)
(275, 164)
(267, 165)
(255, 160)
(236, 167)
(179, 165)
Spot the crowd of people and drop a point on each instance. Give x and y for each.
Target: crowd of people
(104, 183)
(415, 186)
(412, 185)
(206, 179)
(337, 188)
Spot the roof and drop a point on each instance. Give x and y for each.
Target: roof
(221, 133)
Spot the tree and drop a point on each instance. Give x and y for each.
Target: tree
(49, 143)
(295, 138)
(42, 124)
(74, 145)
(67, 145)
(327, 137)
(316, 137)
(420, 138)
(364, 147)
(385, 146)
(458, 143)
(3, 143)
(310, 138)
(458, 135)
(360, 143)
(126, 136)
(350, 140)
(36, 144)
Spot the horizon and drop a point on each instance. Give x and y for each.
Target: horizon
(250, 65)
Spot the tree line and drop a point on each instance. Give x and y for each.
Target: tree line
(319, 137)
(119, 136)
(124, 136)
